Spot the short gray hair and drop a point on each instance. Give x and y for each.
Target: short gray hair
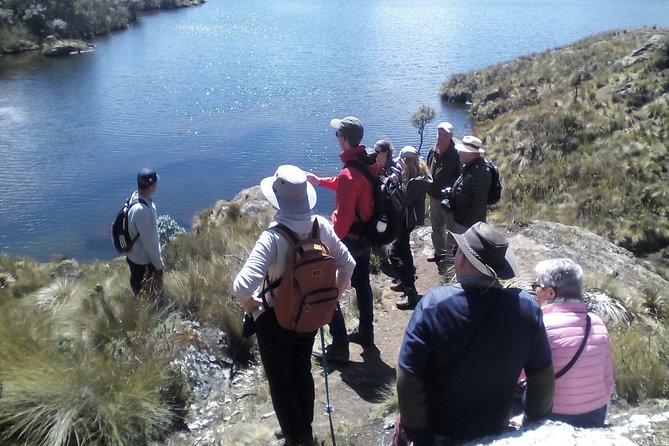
(564, 275)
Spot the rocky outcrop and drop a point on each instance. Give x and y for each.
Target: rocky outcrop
(65, 47)
(640, 54)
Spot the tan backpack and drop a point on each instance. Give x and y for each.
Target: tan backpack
(305, 296)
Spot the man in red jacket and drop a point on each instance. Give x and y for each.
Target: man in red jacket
(353, 207)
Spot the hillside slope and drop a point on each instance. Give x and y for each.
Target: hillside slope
(580, 135)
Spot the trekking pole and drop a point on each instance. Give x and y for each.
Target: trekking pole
(328, 407)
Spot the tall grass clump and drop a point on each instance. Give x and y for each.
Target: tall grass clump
(640, 355)
(202, 267)
(81, 367)
(639, 336)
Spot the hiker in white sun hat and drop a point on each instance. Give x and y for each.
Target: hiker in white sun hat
(468, 200)
(286, 354)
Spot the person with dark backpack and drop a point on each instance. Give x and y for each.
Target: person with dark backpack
(141, 243)
(468, 200)
(354, 210)
(288, 283)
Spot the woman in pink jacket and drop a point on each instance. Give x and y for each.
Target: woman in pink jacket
(583, 390)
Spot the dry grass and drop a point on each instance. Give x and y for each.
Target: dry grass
(83, 361)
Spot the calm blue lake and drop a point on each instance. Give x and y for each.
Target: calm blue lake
(215, 97)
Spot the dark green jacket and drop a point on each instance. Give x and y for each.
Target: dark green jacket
(444, 169)
(470, 193)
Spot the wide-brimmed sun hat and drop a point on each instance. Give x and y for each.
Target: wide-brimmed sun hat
(470, 144)
(488, 251)
(289, 190)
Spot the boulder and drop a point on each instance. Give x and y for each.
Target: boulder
(65, 47)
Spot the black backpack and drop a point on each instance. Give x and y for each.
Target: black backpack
(389, 205)
(119, 229)
(495, 192)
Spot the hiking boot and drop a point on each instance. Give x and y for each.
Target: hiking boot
(389, 270)
(362, 336)
(409, 300)
(444, 264)
(333, 353)
(400, 287)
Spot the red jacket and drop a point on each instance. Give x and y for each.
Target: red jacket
(353, 194)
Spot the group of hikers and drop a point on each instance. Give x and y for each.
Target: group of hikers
(472, 346)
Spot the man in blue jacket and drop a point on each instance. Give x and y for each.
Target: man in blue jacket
(464, 349)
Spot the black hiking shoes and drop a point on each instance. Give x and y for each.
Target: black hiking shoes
(333, 353)
(362, 336)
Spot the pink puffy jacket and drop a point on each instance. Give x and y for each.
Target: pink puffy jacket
(588, 385)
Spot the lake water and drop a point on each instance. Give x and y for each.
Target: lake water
(215, 97)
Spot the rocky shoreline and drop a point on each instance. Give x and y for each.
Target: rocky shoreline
(53, 46)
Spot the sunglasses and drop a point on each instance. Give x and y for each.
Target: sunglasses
(536, 285)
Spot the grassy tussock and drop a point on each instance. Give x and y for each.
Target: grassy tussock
(62, 384)
(639, 335)
(640, 357)
(580, 136)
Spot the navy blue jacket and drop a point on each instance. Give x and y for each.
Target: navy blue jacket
(468, 346)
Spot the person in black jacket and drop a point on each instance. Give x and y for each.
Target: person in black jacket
(415, 182)
(468, 202)
(444, 165)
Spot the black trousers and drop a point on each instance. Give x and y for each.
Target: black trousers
(286, 358)
(402, 258)
(140, 275)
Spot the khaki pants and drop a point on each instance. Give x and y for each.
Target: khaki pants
(441, 222)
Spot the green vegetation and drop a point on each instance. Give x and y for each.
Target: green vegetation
(419, 120)
(580, 135)
(83, 361)
(25, 24)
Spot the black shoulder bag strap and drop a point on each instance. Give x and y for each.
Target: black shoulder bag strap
(357, 165)
(566, 368)
(268, 286)
(140, 200)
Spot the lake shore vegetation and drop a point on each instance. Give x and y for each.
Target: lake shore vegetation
(25, 25)
(580, 134)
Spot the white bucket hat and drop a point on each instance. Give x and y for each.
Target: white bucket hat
(470, 144)
(289, 190)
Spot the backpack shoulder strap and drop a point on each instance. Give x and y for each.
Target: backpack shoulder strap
(129, 205)
(291, 237)
(285, 231)
(571, 363)
(357, 165)
(140, 200)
